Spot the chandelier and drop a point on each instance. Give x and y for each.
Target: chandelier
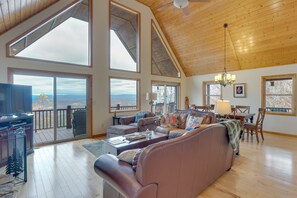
(225, 78)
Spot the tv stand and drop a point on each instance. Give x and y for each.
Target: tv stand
(14, 122)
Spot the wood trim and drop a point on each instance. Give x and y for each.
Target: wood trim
(138, 44)
(281, 134)
(138, 89)
(280, 76)
(153, 25)
(61, 11)
(102, 135)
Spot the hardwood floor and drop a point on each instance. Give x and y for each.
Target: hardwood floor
(267, 169)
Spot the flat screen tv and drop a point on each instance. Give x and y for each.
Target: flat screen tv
(15, 99)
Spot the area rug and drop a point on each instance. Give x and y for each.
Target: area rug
(95, 148)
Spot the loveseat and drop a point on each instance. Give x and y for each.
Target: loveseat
(177, 123)
(142, 120)
(180, 167)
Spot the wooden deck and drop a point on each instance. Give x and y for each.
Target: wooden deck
(47, 135)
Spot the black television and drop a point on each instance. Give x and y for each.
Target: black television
(15, 99)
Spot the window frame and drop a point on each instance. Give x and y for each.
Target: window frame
(204, 88)
(52, 17)
(138, 92)
(153, 25)
(138, 39)
(279, 77)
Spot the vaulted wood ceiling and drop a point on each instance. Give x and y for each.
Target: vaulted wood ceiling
(261, 33)
(13, 12)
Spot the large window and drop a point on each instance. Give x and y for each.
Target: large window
(64, 38)
(162, 62)
(279, 94)
(124, 38)
(212, 93)
(167, 97)
(124, 94)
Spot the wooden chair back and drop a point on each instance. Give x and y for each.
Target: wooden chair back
(202, 108)
(261, 116)
(242, 109)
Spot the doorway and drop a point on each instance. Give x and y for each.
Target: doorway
(59, 105)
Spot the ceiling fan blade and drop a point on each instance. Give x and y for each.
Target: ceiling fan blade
(165, 6)
(199, 0)
(186, 11)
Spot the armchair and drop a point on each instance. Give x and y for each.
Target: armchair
(142, 124)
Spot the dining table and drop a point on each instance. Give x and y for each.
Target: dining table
(242, 117)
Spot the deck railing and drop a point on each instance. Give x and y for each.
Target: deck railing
(44, 119)
(122, 108)
(278, 109)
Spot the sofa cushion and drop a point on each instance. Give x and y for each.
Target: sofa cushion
(169, 120)
(193, 122)
(182, 119)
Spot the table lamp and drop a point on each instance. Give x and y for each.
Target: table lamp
(151, 97)
(223, 107)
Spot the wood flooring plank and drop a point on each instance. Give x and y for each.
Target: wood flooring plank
(262, 170)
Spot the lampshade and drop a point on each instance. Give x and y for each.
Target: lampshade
(223, 107)
(151, 96)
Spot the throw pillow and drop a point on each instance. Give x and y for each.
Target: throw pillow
(182, 119)
(170, 120)
(139, 116)
(128, 155)
(131, 157)
(193, 122)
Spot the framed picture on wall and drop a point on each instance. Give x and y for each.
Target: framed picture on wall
(239, 90)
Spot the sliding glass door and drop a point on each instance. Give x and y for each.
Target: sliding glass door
(167, 98)
(59, 106)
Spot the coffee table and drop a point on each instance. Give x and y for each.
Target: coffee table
(109, 147)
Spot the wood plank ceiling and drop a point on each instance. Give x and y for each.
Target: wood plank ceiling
(13, 12)
(261, 33)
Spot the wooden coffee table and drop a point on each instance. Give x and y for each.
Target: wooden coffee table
(116, 149)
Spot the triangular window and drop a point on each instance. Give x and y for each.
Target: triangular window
(162, 62)
(124, 38)
(64, 38)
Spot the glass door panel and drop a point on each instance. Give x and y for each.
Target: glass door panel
(71, 107)
(166, 99)
(42, 105)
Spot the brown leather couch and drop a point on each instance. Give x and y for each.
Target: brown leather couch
(174, 132)
(181, 167)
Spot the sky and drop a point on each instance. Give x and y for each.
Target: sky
(119, 86)
(69, 43)
(65, 86)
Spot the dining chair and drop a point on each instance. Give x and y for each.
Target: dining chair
(257, 127)
(242, 109)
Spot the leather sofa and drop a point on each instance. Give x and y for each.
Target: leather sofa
(181, 167)
(174, 132)
(149, 122)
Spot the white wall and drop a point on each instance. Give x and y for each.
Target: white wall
(100, 72)
(281, 124)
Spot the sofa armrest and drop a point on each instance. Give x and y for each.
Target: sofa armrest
(146, 121)
(118, 174)
(126, 120)
(162, 130)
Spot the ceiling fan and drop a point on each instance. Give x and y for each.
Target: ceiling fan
(181, 4)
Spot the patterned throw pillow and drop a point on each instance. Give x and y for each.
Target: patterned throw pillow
(128, 155)
(139, 116)
(131, 157)
(169, 120)
(193, 122)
